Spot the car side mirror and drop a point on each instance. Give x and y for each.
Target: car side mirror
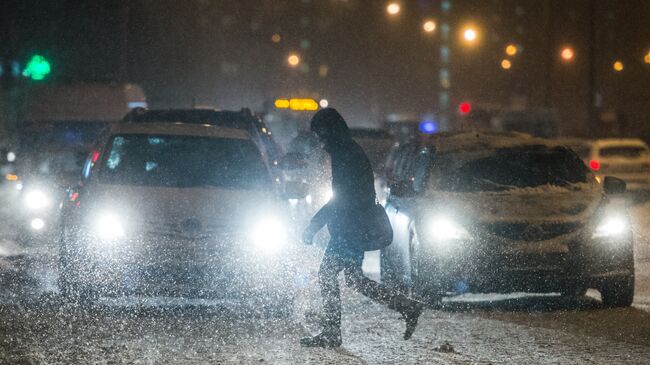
(293, 161)
(402, 189)
(295, 190)
(614, 185)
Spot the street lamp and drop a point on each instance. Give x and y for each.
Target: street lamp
(469, 35)
(511, 50)
(646, 59)
(506, 64)
(393, 8)
(429, 26)
(567, 54)
(293, 60)
(618, 66)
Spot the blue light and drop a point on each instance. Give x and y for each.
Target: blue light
(428, 127)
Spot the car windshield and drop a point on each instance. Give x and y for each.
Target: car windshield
(184, 161)
(511, 168)
(624, 151)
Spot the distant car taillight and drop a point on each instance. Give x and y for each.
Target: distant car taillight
(594, 165)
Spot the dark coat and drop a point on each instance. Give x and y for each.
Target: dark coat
(352, 177)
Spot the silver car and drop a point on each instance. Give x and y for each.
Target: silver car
(505, 213)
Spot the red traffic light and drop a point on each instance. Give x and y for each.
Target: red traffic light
(464, 108)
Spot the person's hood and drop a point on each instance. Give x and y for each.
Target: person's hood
(332, 127)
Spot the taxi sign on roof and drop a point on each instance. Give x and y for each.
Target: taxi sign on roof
(296, 104)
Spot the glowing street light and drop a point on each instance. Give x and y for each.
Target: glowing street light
(293, 60)
(323, 103)
(470, 35)
(567, 54)
(511, 50)
(37, 68)
(646, 59)
(429, 26)
(618, 66)
(506, 64)
(393, 8)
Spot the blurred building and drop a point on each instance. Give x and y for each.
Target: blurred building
(363, 60)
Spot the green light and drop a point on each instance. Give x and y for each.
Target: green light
(37, 68)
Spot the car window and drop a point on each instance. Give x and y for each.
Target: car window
(403, 161)
(183, 161)
(509, 168)
(623, 151)
(420, 168)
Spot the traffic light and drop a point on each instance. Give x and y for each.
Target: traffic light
(37, 68)
(464, 108)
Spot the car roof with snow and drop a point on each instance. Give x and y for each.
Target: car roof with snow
(609, 142)
(482, 141)
(200, 130)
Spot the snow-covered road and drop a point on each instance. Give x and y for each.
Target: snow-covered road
(35, 327)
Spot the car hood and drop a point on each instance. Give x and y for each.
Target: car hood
(577, 203)
(211, 207)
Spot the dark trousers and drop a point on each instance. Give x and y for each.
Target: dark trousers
(339, 258)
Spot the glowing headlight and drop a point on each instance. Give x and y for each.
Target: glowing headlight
(611, 226)
(109, 227)
(328, 194)
(36, 199)
(443, 228)
(269, 234)
(37, 224)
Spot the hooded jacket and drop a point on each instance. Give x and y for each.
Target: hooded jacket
(352, 177)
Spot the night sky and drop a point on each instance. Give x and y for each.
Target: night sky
(366, 63)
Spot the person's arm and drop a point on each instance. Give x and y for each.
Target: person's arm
(318, 221)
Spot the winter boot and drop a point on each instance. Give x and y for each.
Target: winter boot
(327, 338)
(410, 310)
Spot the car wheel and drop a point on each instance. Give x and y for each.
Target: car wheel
(618, 292)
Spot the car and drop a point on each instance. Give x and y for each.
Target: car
(627, 158)
(505, 212)
(243, 119)
(60, 123)
(177, 209)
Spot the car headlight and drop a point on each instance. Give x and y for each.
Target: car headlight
(269, 234)
(36, 199)
(611, 226)
(108, 226)
(443, 228)
(37, 224)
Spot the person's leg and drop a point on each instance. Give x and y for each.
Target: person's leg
(355, 279)
(330, 267)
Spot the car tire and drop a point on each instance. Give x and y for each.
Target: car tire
(618, 293)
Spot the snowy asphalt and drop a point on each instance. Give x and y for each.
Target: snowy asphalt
(36, 327)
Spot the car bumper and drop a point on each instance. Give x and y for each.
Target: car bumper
(183, 267)
(551, 266)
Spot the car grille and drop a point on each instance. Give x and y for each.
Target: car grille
(530, 232)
